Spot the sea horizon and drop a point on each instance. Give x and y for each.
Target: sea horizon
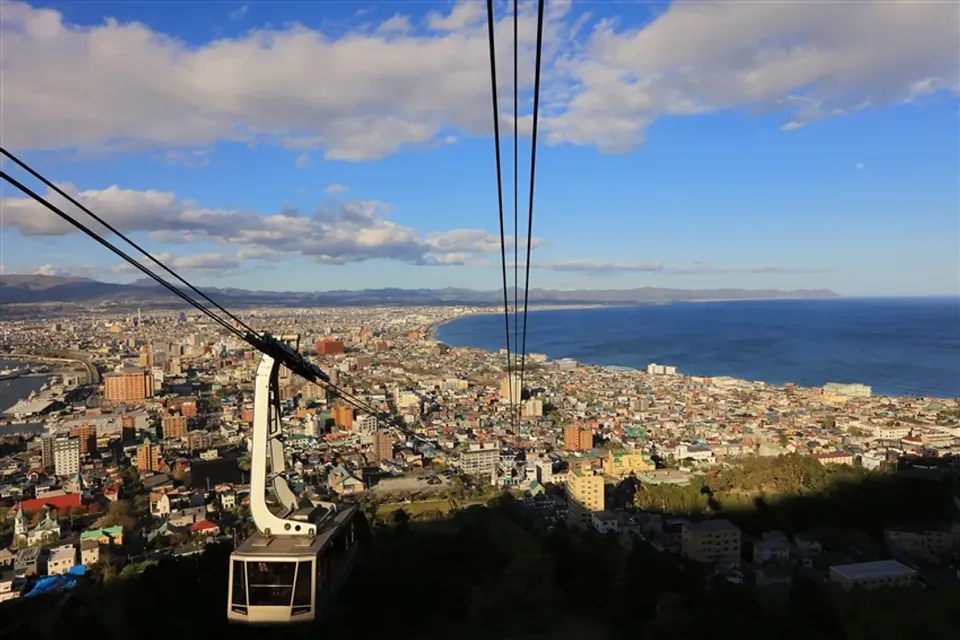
(922, 364)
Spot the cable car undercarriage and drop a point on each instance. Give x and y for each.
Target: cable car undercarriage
(297, 560)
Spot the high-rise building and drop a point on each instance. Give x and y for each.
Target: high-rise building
(343, 416)
(383, 445)
(584, 495)
(576, 438)
(128, 386)
(148, 456)
(174, 426)
(510, 390)
(46, 451)
(66, 456)
(87, 436)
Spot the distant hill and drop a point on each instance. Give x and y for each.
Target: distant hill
(47, 289)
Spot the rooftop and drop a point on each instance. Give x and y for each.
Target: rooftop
(873, 570)
(259, 545)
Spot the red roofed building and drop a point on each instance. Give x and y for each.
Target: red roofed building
(68, 501)
(205, 527)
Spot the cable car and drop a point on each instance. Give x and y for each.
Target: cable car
(297, 560)
(288, 579)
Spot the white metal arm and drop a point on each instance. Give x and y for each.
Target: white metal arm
(266, 444)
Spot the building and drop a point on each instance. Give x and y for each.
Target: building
(510, 390)
(711, 541)
(533, 408)
(148, 456)
(66, 456)
(128, 386)
(655, 369)
(872, 575)
(343, 416)
(620, 464)
(197, 440)
(576, 438)
(329, 347)
(584, 495)
(87, 434)
(61, 560)
(174, 426)
(852, 390)
(383, 445)
(481, 459)
(46, 450)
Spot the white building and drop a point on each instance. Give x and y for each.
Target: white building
(61, 560)
(481, 459)
(66, 456)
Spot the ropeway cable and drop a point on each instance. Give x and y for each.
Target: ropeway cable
(533, 171)
(23, 165)
(516, 203)
(496, 140)
(256, 340)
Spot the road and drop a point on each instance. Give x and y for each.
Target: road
(49, 355)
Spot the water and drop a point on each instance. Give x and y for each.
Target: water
(13, 390)
(901, 347)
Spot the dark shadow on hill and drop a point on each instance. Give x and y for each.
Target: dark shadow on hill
(504, 571)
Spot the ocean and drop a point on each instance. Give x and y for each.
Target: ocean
(899, 346)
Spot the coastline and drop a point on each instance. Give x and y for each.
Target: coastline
(433, 330)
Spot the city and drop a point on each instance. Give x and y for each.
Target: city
(153, 461)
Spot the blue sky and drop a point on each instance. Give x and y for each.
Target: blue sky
(328, 145)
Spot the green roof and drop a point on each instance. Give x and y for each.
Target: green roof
(96, 533)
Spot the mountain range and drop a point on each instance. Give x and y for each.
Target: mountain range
(52, 289)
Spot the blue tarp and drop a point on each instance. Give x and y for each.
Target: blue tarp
(51, 584)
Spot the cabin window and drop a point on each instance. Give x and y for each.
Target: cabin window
(303, 592)
(239, 587)
(271, 583)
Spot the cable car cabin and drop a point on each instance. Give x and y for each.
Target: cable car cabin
(288, 578)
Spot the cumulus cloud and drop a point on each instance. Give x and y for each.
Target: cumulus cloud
(336, 188)
(656, 266)
(809, 60)
(366, 94)
(350, 231)
(356, 96)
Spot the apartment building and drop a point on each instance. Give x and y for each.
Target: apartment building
(584, 496)
(711, 541)
(66, 456)
(128, 386)
(481, 459)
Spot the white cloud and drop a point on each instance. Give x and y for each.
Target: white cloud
(351, 231)
(336, 188)
(362, 95)
(358, 96)
(240, 13)
(76, 271)
(302, 161)
(808, 59)
(398, 24)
